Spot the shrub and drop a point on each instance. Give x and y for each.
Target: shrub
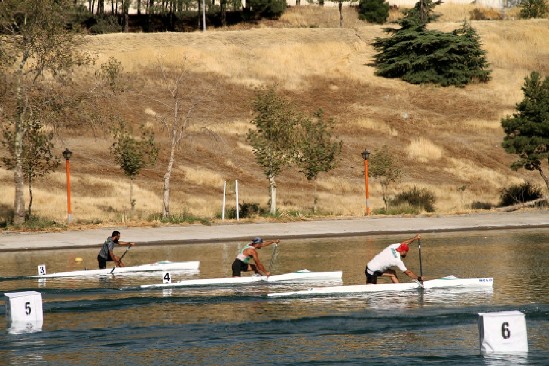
(183, 217)
(268, 8)
(373, 11)
(477, 205)
(533, 9)
(519, 193)
(245, 210)
(415, 197)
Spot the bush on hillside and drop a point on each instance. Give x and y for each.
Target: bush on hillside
(373, 11)
(272, 9)
(519, 193)
(415, 197)
(533, 9)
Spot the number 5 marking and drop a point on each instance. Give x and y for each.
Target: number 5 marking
(505, 331)
(28, 309)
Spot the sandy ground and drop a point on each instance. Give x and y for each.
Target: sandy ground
(11, 241)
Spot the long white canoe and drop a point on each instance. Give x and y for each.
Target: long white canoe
(299, 276)
(445, 282)
(154, 267)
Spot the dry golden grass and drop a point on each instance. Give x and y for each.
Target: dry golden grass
(448, 138)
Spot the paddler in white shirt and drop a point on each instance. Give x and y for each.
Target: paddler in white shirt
(391, 257)
(242, 260)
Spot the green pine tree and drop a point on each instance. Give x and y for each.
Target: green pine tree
(527, 130)
(418, 55)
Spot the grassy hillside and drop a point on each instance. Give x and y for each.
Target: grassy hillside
(449, 139)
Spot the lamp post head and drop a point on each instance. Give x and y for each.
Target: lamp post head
(365, 154)
(67, 154)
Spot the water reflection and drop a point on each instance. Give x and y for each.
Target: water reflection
(514, 359)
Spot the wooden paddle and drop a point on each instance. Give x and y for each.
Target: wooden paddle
(120, 260)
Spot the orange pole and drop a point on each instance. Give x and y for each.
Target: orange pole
(68, 169)
(367, 213)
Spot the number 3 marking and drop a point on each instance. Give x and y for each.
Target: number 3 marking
(505, 332)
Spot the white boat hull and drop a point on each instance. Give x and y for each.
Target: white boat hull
(298, 276)
(154, 267)
(445, 282)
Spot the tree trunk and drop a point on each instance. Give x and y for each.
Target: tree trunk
(199, 14)
(19, 202)
(272, 185)
(132, 201)
(340, 6)
(544, 177)
(315, 197)
(166, 192)
(223, 5)
(30, 196)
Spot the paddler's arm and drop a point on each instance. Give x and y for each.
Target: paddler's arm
(411, 240)
(269, 242)
(115, 259)
(413, 276)
(126, 243)
(258, 264)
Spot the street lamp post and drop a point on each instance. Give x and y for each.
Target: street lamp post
(365, 155)
(67, 155)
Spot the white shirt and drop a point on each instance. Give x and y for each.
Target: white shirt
(388, 257)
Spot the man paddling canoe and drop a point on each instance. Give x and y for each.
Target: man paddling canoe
(390, 257)
(242, 260)
(107, 250)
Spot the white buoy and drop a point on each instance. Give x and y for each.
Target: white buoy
(502, 332)
(41, 269)
(24, 311)
(166, 277)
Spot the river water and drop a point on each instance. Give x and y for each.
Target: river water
(100, 321)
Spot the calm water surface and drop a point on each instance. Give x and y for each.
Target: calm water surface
(100, 321)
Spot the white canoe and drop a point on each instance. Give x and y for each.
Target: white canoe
(302, 275)
(153, 267)
(445, 282)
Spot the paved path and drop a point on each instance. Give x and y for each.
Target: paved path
(11, 241)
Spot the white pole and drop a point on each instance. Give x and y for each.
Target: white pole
(223, 206)
(236, 191)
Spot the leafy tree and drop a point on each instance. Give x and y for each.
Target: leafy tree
(273, 137)
(373, 11)
(316, 150)
(268, 8)
(133, 154)
(418, 55)
(182, 96)
(37, 156)
(527, 130)
(383, 165)
(533, 9)
(38, 52)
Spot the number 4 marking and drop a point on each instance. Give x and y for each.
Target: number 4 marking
(505, 331)
(167, 278)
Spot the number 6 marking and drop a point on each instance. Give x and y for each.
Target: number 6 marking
(505, 331)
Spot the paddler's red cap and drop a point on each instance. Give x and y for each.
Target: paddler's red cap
(403, 247)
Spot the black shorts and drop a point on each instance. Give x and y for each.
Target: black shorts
(372, 278)
(239, 266)
(103, 262)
